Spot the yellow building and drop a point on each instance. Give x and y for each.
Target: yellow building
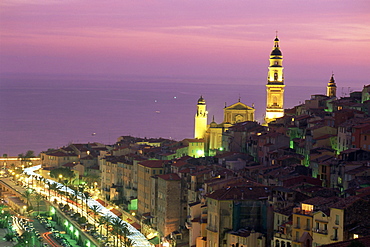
(212, 133)
(331, 89)
(200, 123)
(275, 85)
(302, 225)
(195, 147)
(147, 169)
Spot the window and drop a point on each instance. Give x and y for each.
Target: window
(298, 222)
(337, 219)
(335, 237)
(308, 224)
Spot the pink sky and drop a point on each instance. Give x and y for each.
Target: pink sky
(228, 40)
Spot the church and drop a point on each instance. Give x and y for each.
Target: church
(240, 112)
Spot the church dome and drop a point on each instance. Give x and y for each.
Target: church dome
(276, 52)
(201, 100)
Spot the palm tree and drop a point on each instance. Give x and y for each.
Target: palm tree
(95, 210)
(38, 198)
(28, 194)
(86, 196)
(56, 188)
(117, 225)
(125, 233)
(73, 197)
(81, 190)
(108, 220)
(101, 222)
(129, 242)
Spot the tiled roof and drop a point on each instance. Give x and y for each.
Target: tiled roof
(345, 202)
(153, 163)
(320, 201)
(179, 163)
(60, 154)
(365, 241)
(170, 177)
(70, 165)
(240, 193)
(358, 170)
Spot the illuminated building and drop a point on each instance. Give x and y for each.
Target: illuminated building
(331, 89)
(212, 133)
(275, 85)
(200, 125)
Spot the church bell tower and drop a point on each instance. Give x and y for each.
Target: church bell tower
(331, 89)
(200, 124)
(275, 85)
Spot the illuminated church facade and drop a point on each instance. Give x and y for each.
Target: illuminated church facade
(240, 112)
(212, 133)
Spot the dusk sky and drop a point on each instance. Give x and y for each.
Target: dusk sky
(228, 40)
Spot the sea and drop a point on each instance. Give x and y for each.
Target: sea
(42, 112)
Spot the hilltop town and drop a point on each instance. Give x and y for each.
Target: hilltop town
(299, 179)
(303, 178)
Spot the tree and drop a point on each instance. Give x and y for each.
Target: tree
(129, 242)
(9, 236)
(101, 223)
(55, 187)
(28, 195)
(81, 190)
(38, 198)
(95, 210)
(65, 172)
(117, 224)
(30, 154)
(107, 220)
(125, 233)
(73, 197)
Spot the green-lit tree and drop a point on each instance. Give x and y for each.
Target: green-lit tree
(65, 173)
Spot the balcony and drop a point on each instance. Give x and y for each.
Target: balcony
(282, 235)
(320, 231)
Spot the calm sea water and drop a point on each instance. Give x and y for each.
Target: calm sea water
(38, 113)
